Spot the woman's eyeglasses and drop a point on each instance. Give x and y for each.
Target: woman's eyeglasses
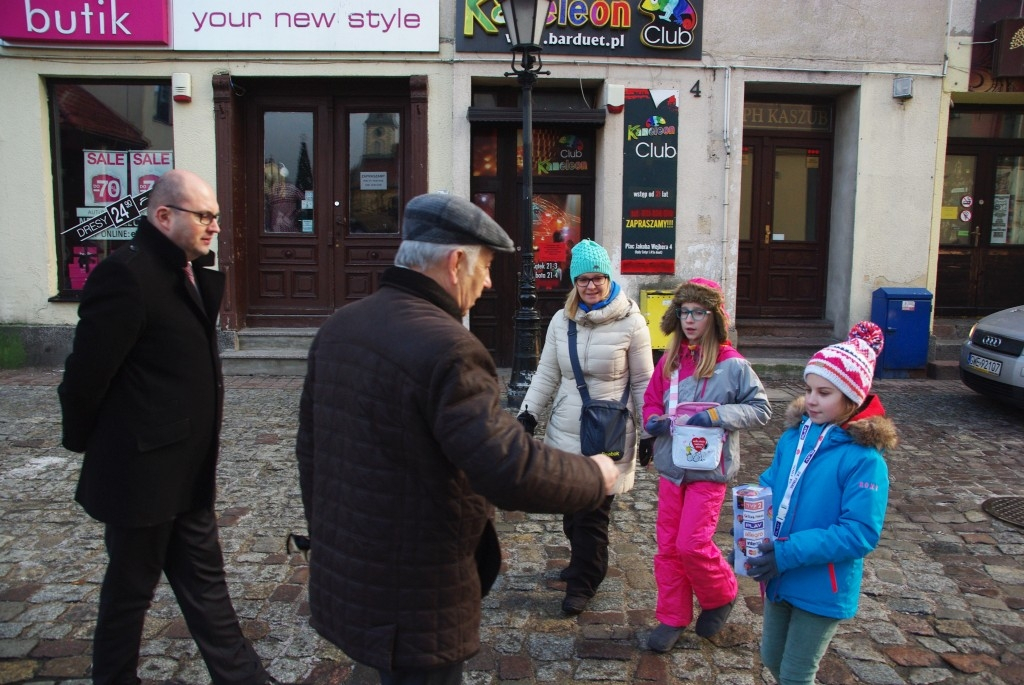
(583, 281)
(695, 314)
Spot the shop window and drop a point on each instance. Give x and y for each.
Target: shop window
(288, 194)
(986, 124)
(111, 141)
(375, 178)
(1007, 219)
(485, 152)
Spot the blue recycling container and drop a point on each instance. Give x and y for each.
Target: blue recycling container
(904, 315)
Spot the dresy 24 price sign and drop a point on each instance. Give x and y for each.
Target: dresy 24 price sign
(116, 214)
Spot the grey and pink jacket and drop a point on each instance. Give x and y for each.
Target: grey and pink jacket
(733, 385)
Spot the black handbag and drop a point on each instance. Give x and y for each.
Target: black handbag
(603, 423)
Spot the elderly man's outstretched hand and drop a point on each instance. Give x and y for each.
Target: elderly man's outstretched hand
(609, 471)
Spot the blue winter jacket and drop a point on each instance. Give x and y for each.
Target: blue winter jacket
(836, 512)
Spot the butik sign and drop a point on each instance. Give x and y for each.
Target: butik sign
(97, 22)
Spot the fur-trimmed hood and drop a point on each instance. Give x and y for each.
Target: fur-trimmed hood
(869, 426)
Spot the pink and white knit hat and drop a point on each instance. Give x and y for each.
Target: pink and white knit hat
(850, 365)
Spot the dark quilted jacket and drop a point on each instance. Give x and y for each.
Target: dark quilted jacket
(402, 442)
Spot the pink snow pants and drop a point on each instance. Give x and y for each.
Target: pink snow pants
(688, 561)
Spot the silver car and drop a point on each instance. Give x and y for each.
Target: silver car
(992, 360)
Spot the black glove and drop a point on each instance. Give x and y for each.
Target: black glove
(528, 420)
(764, 567)
(645, 452)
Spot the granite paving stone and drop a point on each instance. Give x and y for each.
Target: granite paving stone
(943, 595)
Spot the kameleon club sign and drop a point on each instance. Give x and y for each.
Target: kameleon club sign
(636, 28)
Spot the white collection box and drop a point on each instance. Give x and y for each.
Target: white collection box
(752, 522)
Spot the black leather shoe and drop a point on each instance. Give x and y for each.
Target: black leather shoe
(574, 604)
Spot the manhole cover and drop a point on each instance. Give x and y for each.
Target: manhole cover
(1009, 509)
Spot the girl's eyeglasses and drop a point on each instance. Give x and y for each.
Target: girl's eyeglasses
(695, 314)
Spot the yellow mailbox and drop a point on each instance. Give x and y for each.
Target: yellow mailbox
(653, 304)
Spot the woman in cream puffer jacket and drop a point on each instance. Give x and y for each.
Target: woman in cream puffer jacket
(614, 347)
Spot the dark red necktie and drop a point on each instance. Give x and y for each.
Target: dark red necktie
(191, 276)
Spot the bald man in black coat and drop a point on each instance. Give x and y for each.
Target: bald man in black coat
(142, 397)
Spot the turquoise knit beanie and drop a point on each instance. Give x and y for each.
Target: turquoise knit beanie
(589, 257)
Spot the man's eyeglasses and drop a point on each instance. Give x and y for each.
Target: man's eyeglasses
(204, 218)
(583, 281)
(695, 314)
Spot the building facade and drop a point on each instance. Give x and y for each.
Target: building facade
(796, 152)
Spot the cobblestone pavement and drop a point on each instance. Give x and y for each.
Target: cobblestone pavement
(942, 601)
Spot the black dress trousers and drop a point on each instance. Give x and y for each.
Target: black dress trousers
(187, 550)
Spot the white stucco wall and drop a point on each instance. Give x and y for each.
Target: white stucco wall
(896, 174)
(863, 33)
(888, 152)
(28, 260)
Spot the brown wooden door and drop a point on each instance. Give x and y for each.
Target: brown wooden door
(981, 234)
(329, 176)
(784, 212)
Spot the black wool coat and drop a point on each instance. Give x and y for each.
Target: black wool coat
(142, 392)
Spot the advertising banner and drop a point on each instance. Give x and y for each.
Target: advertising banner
(313, 25)
(114, 23)
(649, 173)
(657, 29)
(114, 216)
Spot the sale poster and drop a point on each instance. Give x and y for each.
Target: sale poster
(147, 166)
(117, 186)
(650, 169)
(106, 176)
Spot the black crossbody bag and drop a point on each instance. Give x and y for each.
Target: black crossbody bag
(603, 423)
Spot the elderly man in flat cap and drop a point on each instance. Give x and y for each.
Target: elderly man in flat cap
(404, 449)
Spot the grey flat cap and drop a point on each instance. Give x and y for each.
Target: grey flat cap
(451, 220)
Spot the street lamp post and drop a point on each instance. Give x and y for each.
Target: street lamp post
(525, 21)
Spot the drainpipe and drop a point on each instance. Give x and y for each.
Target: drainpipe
(727, 145)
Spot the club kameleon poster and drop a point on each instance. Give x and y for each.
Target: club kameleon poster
(650, 170)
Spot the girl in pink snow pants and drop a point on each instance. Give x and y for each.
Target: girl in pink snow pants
(703, 376)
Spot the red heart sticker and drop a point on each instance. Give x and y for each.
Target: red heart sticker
(699, 443)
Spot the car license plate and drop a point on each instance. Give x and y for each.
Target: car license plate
(989, 366)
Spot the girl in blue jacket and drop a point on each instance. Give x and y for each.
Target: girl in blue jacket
(830, 487)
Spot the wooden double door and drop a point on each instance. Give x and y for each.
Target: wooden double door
(784, 226)
(329, 166)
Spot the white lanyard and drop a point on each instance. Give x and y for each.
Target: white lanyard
(796, 471)
(673, 392)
